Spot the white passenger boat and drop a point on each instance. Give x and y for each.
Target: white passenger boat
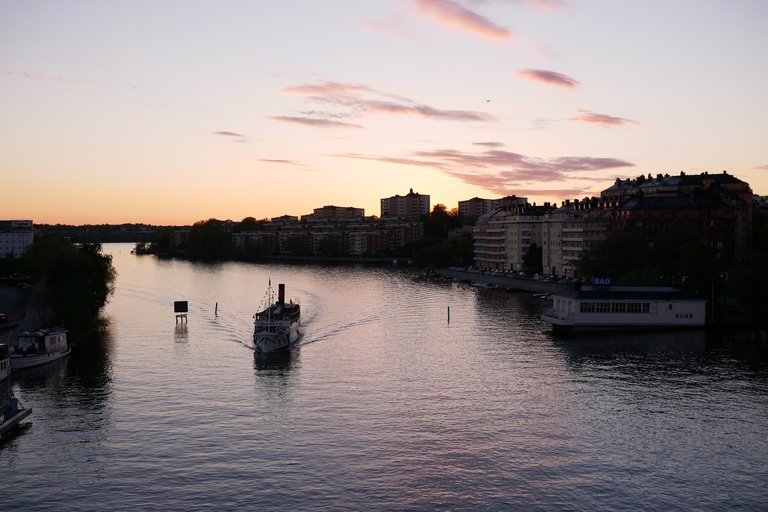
(11, 414)
(39, 347)
(594, 308)
(5, 362)
(278, 325)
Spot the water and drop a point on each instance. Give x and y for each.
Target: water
(385, 405)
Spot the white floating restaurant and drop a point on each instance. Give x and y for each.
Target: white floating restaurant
(594, 308)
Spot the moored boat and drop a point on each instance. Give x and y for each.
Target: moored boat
(277, 326)
(39, 347)
(11, 414)
(595, 308)
(5, 362)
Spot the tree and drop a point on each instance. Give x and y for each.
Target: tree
(328, 246)
(78, 279)
(295, 245)
(623, 253)
(439, 222)
(532, 261)
(209, 241)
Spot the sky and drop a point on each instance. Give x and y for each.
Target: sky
(175, 111)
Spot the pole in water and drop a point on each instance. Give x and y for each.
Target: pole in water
(216, 310)
(449, 314)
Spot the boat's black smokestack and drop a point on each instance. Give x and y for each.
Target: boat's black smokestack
(281, 293)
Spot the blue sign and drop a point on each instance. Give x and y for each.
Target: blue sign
(601, 281)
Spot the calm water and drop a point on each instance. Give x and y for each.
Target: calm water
(385, 405)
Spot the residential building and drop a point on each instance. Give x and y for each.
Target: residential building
(15, 237)
(409, 207)
(503, 236)
(475, 207)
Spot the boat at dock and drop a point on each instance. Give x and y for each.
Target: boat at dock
(11, 413)
(5, 362)
(277, 326)
(35, 348)
(597, 308)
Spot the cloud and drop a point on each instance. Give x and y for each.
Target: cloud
(450, 14)
(547, 5)
(279, 161)
(489, 144)
(229, 134)
(548, 77)
(504, 172)
(585, 116)
(310, 121)
(356, 101)
(326, 89)
(762, 167)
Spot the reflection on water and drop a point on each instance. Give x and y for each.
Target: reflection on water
(384, 405)
(181, 333)
(281, 361)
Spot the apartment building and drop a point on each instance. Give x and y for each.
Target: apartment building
(15, 237)
(475, 207)
(504, 236)
(409, 207)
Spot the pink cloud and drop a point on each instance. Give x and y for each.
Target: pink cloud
(357, 100)
(548, 77)
(229, 134)
(450, 14)
(585, 116)
(762, 167)
(504, 171)
(310, 121)
(326, 89)
(278, 161)
(489, 144)
(547, 5)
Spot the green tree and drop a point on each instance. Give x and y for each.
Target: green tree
(209, 241)
(623, 253)
(440, 221)
(328, 246)
(296, 245)
(532, 261)
(78, 279)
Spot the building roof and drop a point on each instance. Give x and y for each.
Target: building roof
(629, 293)
(671, 203)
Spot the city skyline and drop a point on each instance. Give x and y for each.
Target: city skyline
(172, 113)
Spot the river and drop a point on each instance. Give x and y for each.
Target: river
(384, 405)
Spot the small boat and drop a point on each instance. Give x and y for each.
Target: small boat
(277, 326)
(39, 347)
(11, 414)
(5, 362)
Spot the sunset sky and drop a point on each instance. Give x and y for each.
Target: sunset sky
(174, 111)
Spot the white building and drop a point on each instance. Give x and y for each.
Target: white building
(15, 237)
(504, 236)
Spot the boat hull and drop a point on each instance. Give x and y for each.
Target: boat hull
(12, 418)
(19, 362)
(5, 368)
(268, 341)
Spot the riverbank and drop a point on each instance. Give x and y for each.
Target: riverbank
(508, 282)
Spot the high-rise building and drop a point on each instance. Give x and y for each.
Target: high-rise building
(409, 207)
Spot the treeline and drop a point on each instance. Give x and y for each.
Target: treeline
(211, 240)
(77, 279)
(101, 233)
(679, 258)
